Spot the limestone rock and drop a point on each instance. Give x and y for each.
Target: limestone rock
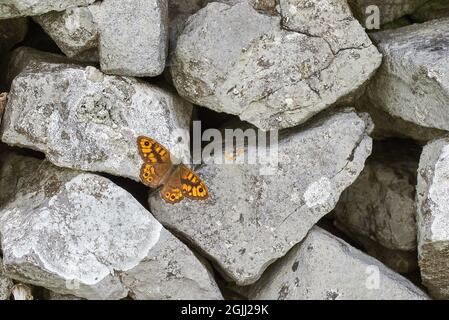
(380, 204)
(83, 119)
(252, 218)
(6, 284)
(434, 9)
(79, 234)
(432, 201)
(146, 22)
(324, 267)
(412, 83)
(74, 31)
(19, 8)
(276, 71)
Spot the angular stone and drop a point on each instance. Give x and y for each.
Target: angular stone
(388, 10)
(12, 31)
(78, 233)
(435, 9)
(380, 204)
(432, 201)
(178, 13)
(22, 57)
(146, 22)
(251, 219)
(277, 70)
(83, 119)
(74, 31)
(19, 8)
(324, 267)
(6, 284)
(412, 83)
(388, 126)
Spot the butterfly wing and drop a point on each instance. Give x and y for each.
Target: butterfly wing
(172, 190)
(152, 151)
(192, 186)
(152, 175)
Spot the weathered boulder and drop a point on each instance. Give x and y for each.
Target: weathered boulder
(146, 21)
(380, 205)
(78, 233)
(83, 119)
(274, 71)
(253, 218)
(432, 201)
(74, 31)
(413, 83)
(6, 284)
(324, 267)
(19, 8)
(22, 57)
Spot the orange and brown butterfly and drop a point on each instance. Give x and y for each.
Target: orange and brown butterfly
(3, 100)
(177, 180)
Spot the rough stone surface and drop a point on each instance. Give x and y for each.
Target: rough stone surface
(22, 57)
(388, 126)
(74, 31)
(78, 233)
(388, 10)
(325, 267)
(83, 119)
(252, 219)
(255, 77)
(412, 83)
(18, 8)
(432, 201)
(434, 9)
(6, 284)
(12, 31)
(3, 101)
(146, 21)
(380, 204)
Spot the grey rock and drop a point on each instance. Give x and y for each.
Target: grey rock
(388, 126)
(6, 284)
(276, 71)
(83, 119)
(74, 31)
(412, 83)
(254, 217)
(19, 8)
(12, 31)
(79, 234)
(146, 22)
(432, 201)
(324, 267)
(22, 57)
(380, 204)
(388, 10)
(434, 9)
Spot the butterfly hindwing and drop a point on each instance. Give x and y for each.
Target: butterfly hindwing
(192, 186)
(172, 190)
(152, 151)
(152, 174)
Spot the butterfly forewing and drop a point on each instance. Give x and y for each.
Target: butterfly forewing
(152, 151)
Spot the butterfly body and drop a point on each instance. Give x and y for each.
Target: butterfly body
(178, 180)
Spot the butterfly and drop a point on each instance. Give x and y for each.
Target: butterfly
(177, 180)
